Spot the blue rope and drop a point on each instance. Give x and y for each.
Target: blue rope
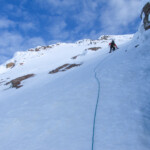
(98, 82)
(97, 101)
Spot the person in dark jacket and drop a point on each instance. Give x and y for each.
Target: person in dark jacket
(113, 46)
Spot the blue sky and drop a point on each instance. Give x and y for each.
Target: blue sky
(29, 23)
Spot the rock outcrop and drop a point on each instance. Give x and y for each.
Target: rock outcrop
(94, 48)
(64, 68)
(146, 11)
(10, 65)
(16, 83)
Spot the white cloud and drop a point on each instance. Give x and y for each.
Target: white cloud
(112, 16)
(34, 42)
(12, 42)
(58, 3)
(57, 30)
(118, 14)
(84, 18)
(6, 23)
(27, 26)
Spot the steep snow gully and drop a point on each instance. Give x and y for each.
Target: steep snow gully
(98, 95)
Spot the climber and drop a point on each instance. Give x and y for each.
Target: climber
(113, 46)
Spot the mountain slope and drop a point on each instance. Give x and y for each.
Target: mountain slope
(123, 114)
(56, 111)
(52, 109)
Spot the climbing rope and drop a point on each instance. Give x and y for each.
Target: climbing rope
(97, 101)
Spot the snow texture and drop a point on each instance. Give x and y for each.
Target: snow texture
(101, 105)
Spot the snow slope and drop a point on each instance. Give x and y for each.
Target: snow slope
(101, 105)
(52, 111)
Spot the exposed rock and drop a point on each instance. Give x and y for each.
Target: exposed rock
(49, 46)
(94, 48)
(58, 69)
(31, 50)
(21, 64)
(105, 37)
(71, 66)
(75, 57)
(10, 65)
(45, 47)
(16, 83)
(95, 43)
(146, 11)
(37, 49)
(87, 41)
(64, 68)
